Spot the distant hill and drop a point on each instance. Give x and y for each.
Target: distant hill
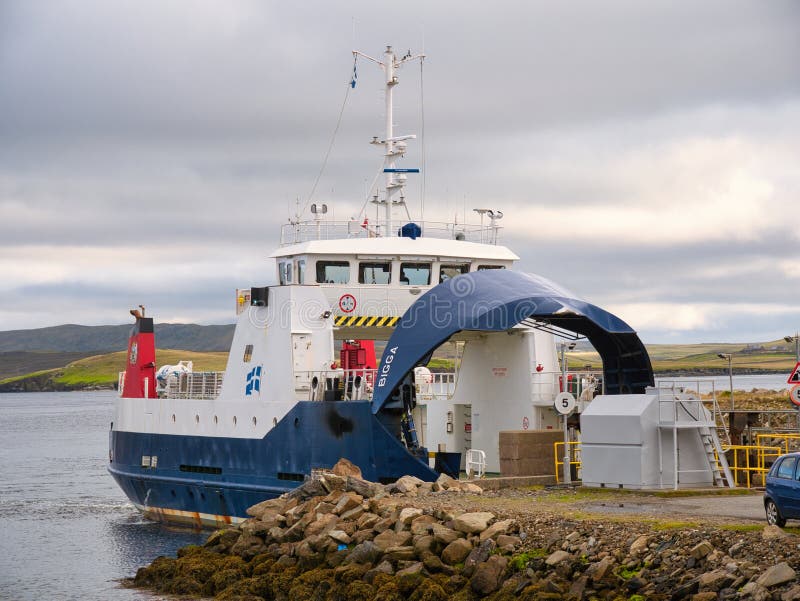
(18, 363)
(72, 338)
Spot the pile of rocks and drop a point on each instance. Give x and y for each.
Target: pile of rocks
(341, 537)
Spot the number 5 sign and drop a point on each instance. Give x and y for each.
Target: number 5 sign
(565, 403)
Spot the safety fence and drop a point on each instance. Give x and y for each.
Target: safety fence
(574, 450)
(748, 464)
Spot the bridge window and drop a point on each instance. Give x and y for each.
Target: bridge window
(374, 273)
(487, 267)
(301, 272)
(415, 274)
(248, 353)
(285, 272)
(333, 272)
(448, 271)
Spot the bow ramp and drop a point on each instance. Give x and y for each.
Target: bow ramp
(496, 301)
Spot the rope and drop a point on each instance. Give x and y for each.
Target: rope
(369, 192)
(333, 139)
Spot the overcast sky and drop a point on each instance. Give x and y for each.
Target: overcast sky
(646, 154)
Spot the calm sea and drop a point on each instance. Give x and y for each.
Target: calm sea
(66, 530)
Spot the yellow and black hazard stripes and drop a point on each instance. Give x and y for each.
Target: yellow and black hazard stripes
(365, 321)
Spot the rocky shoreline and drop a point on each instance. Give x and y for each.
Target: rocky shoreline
(340, 537)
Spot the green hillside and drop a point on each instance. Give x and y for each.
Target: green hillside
(98, 339)
(774, 356)
(102, 371)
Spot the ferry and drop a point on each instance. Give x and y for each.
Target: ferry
(303, 386)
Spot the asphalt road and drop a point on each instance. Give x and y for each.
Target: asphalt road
(740, 508)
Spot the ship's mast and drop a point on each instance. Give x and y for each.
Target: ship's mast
(394, 147)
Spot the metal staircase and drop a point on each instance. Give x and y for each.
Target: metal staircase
(684, 412)
(716, 458)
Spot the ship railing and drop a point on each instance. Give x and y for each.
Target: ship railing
(545, 385)
(358, 385)
(306, 231)
(191, 385)
(703, 392)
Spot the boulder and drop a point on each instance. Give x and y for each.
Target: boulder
(407, 484)
(639, 545)
(366, 553)
(772, 533)
(600, 570)
(473, 523)
(273, 505)
(331, 482)
(504, 540)
(488, 575)
(353, 514)
(444, 535)
(248, 546)
(390, 538)
(400, 553)
(348, 501)
(308, 489)
(776, 575)
(701, 549)
(715, 580)
(443, 482)
(423, 544)
(362, 487)
(367, 521)
(557, 557)
(221, 541)
(414, 568)
(322, 524)
(340, 537)
(471, 488)
(407, 514)
(345, 467)
(498, 528)
(432, 563)
(457, 551)
(422, 524)
(478, 555)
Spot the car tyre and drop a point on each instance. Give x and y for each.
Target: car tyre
(773, 515)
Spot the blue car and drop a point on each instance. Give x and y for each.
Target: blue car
(782, 494)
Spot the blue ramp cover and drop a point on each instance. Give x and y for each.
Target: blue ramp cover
(496, 300)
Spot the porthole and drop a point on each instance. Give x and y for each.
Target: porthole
(274, 421)
(255, 421)
(173, 418)
(216, 420)
(196, 418)
(296, 422)
(234, 420)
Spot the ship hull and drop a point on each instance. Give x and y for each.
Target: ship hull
(211, 481)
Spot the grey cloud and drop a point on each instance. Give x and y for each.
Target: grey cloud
(180, 124)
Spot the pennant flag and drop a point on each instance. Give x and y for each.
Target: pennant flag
(355, 74)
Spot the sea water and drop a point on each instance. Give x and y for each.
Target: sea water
(66, 530)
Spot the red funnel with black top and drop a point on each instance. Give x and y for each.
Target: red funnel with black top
(140, 371)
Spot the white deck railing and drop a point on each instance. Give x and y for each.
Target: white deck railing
(305, 231)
